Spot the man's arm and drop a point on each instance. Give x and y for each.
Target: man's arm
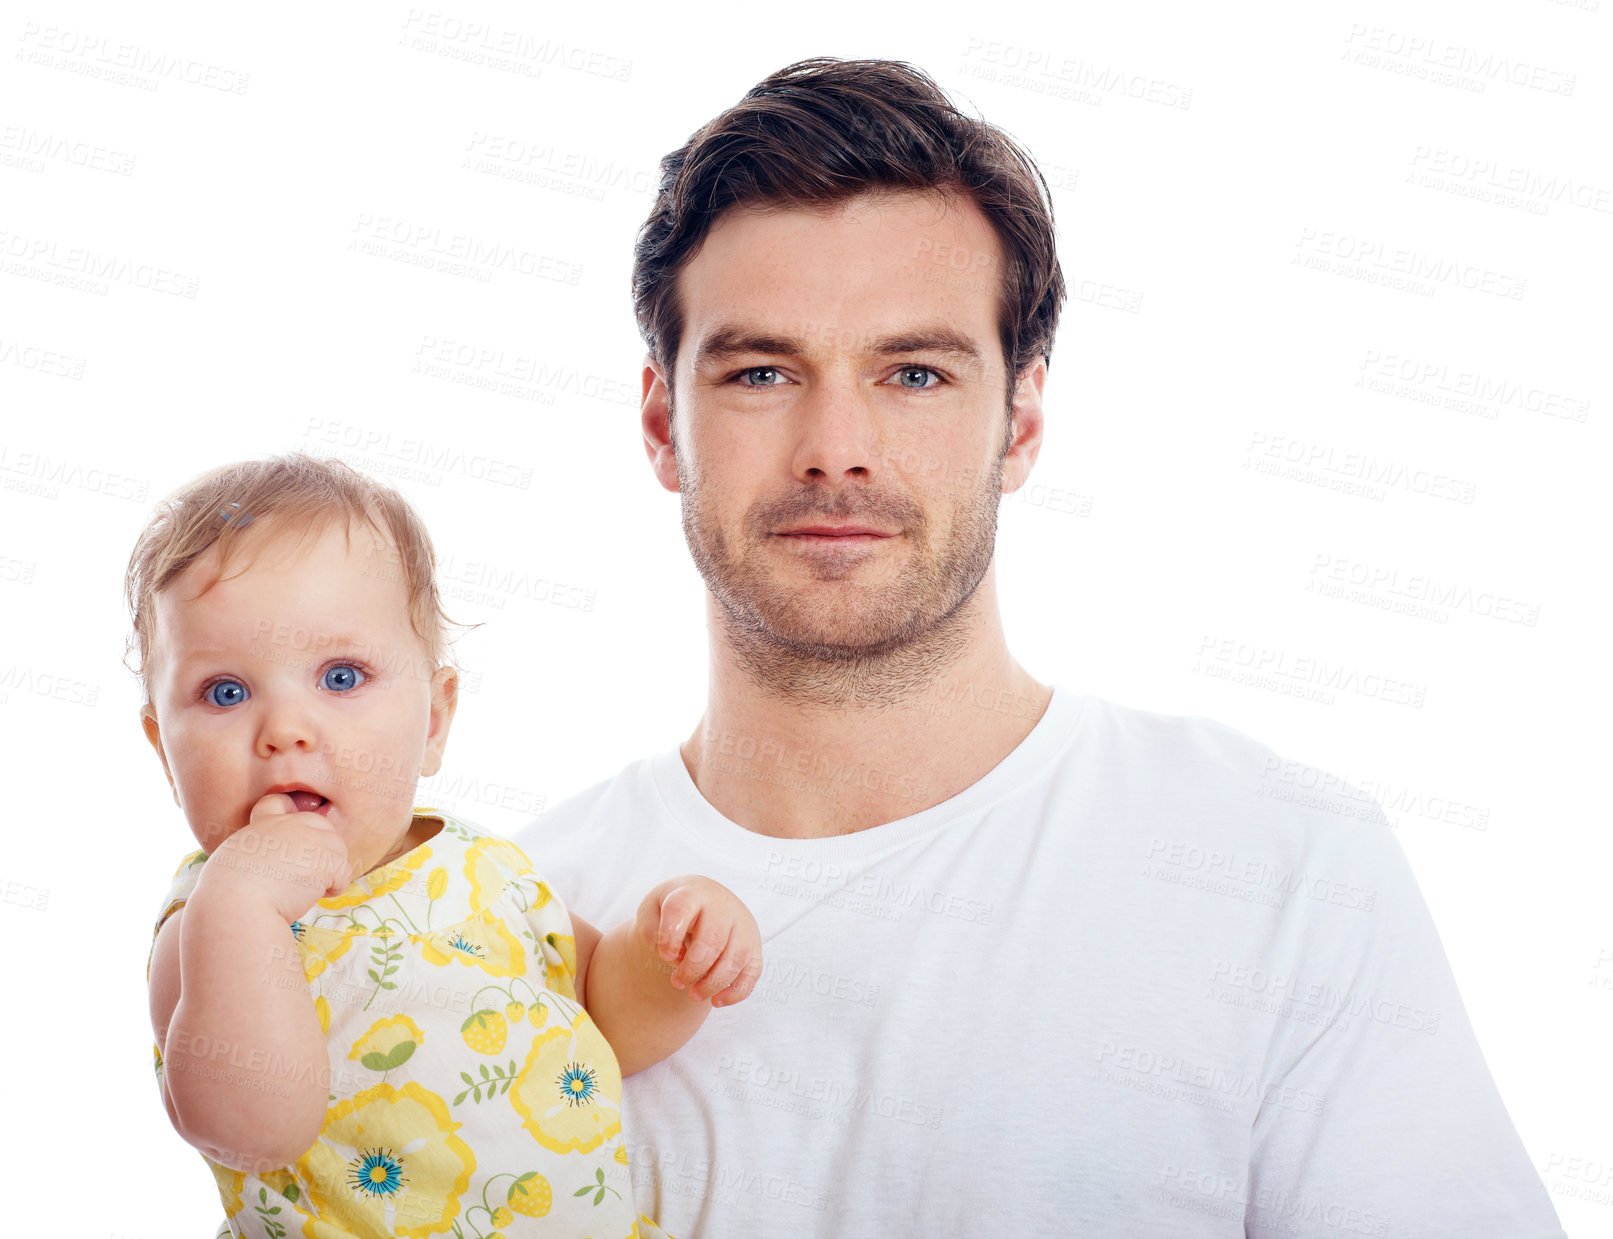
(650, 984)
(1379, 1114)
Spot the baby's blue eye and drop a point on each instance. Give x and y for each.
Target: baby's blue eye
(227, 693)
(342, 679)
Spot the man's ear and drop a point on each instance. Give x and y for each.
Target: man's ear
(148, 724)
(1025, 438)
(655, 416)
(444, 701)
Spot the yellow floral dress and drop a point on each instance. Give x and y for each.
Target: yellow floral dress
(470, 1094)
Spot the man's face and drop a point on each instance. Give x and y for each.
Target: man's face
(840, 420)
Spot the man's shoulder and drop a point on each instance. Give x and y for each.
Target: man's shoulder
(1193, 743)
(583, 813)
(1224, 779)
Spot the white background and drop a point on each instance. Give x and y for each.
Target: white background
(1233, 186)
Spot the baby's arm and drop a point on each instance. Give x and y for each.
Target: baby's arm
(244, 1060)
(645, 984)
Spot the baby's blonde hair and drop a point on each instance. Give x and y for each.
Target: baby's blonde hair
(301, 493)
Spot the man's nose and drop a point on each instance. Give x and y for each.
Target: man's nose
(838, 438)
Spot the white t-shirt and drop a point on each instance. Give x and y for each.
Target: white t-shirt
(1127, 984)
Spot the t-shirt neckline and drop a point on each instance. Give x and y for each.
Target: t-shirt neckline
(698, 819)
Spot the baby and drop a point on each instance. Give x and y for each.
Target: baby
(373, 1018)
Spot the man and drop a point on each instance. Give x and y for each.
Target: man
(1036, 963)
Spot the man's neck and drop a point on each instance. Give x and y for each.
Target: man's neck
(881, 741)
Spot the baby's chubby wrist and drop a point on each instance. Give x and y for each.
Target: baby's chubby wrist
(254, 868)
(238, 887)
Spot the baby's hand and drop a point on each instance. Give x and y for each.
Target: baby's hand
(703, 928)
(296, 859)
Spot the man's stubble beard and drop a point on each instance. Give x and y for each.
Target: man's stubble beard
(887, 649)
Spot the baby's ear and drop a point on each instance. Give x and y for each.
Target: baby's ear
(148, 724)
(444, 701)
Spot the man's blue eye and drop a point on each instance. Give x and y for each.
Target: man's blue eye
(227, 693)
(754, 371)
(923, 373)
(342, 679)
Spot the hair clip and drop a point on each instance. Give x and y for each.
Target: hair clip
(241, 519)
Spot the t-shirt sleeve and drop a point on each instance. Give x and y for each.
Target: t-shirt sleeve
(1408, 1135)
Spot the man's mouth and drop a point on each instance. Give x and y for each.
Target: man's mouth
(834, 531)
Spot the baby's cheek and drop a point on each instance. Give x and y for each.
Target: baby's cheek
(212, 817)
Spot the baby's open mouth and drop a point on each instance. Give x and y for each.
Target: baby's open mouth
(308, 802)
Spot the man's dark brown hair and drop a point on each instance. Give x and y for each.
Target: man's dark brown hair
(824, 130)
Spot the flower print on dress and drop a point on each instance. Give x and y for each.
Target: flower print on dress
(231, 1183)
(491, 865)
(388, 1044)
(401, 1167)
(377, 1172)
(321, 947)
(569, 1093)
(483, 941)
(382, 881)
(560, 963)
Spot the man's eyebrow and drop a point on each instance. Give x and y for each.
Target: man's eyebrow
(937, 339)
(728, 341)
